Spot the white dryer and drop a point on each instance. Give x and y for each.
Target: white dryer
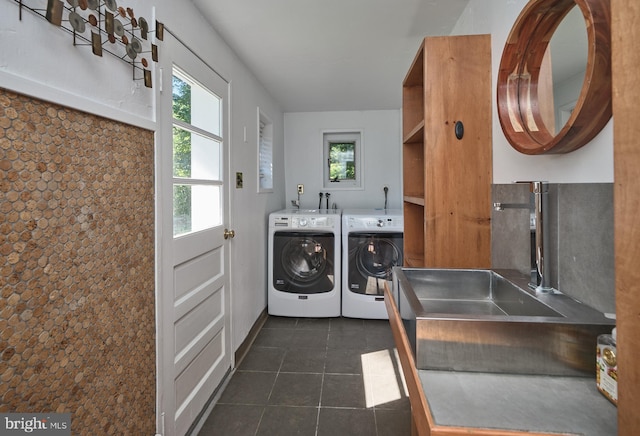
(304, 263)
(372, 243)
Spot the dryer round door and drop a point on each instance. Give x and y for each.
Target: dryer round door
(377, 257)
(303, 262)
(372, 257)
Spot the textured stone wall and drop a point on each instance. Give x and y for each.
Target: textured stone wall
(581, 239)
(77, 320)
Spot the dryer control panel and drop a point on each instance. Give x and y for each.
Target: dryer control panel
(375, 222)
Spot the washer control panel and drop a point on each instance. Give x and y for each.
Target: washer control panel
(312, 222)
(304, 222)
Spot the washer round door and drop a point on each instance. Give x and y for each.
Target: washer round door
(303, 262)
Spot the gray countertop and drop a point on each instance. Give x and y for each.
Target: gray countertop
(519, 402)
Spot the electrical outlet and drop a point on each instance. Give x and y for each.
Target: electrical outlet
(300, 189)
(239, 182)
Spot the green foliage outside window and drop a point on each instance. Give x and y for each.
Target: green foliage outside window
(181, 209)
(181, 157)
(181, 100)
(342, 164)
(181, 137)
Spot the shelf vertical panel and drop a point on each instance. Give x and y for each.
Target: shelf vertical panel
(458, 172)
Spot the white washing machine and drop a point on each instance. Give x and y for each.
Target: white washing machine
(304, 263)
(372, 244)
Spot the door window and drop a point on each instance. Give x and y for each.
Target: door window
(197, 156)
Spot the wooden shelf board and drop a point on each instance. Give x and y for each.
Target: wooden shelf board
(414, 261)
(416, 135)
(419, 201)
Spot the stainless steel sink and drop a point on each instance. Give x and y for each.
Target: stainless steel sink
(473, 292)
(489, 321)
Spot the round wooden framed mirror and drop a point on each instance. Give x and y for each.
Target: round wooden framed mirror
(525, 84)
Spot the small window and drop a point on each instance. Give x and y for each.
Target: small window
(343, 160)
(265, 153)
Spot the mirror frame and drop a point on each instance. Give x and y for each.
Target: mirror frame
(519, 73)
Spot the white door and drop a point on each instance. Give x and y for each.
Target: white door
(194, 349)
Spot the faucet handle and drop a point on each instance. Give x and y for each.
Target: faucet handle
(536, 187)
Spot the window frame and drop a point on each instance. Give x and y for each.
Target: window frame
(346, 136)
(195, 182)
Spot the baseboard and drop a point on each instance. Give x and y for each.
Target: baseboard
(243, 349)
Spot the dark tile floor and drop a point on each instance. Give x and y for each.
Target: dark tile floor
(316, 377)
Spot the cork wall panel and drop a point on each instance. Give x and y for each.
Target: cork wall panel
(77, 321)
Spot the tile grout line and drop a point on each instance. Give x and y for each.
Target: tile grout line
(324, 369)
(264, 408)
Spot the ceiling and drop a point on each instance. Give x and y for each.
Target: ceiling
(330, 55)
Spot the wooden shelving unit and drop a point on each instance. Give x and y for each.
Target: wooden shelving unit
(626, 129)
(447, 181)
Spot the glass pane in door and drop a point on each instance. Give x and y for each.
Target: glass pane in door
(196, 105)
(195, 208)
(196, 156)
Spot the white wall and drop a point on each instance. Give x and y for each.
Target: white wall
(39, 59)
(589, 164)
(381, 153)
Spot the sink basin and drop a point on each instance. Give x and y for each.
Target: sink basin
(490, 321)
(473, 292)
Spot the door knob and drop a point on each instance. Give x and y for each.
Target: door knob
(229, 234)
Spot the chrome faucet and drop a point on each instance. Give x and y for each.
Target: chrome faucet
(296, 203)
(538, 205)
